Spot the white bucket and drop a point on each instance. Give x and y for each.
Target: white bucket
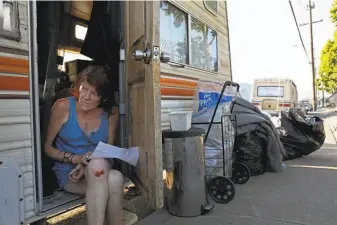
(180, 120)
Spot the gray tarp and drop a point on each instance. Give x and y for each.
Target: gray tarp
(249, 118)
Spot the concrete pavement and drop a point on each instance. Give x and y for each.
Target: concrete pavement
(305, 193)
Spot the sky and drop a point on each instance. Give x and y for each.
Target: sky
(265, 43)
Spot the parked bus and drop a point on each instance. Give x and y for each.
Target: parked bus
(274, 95)
(157, 51)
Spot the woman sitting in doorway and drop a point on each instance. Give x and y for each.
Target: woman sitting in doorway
(78, 124)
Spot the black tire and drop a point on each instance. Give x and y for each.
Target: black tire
(221, 189)
(240, 173)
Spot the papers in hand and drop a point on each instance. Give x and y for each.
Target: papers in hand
(103, 150)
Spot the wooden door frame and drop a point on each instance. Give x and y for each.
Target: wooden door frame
(149, 76)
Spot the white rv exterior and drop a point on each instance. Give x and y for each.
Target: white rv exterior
(170, 86)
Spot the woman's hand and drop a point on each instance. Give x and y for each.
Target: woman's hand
(81, 159)
(77, 173)
(85, 157)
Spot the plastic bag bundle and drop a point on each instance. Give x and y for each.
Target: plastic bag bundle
(304, 135)
(251, 152)
(218, 163)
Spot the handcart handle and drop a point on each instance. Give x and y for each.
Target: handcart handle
(231, 83)
(227, 83)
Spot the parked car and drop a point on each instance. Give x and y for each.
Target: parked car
(306, 106)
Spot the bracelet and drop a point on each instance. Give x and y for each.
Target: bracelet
(67, 158)
(71, 158)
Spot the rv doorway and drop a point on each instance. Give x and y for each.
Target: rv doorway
(68, 40)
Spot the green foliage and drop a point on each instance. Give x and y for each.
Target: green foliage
(333, 12)
(328, 61)
(328, 66)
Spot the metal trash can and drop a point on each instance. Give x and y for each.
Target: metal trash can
(184, 161)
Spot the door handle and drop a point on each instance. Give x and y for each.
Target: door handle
(140, 55)
(147, 54)
(164, 57)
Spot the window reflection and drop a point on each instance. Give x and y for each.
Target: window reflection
(7, 12)
(203, 46)
(173, 32)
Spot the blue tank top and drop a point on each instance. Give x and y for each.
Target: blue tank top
(72, 139)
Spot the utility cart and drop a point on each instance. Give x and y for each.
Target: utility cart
(225, 170)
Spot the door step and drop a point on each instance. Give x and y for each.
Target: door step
(129, 218)
(77, 216)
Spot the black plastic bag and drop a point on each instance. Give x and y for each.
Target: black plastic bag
(303, 136)
(251, 152)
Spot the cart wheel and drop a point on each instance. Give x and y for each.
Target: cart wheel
(221, 189)
(240, 173)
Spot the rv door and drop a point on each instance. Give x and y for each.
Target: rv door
(143, 85)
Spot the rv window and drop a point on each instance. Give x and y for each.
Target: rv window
(211, 5)
(173, 30)
(80, 32)
(204, 46)
(9, 21)
(199, 48)
(270, 91)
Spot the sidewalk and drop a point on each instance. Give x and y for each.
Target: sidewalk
(332, 124)
(305, 193)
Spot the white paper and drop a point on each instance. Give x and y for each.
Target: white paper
(130, 155)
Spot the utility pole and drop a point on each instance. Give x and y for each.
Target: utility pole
(312, 57)
(310, 7)
(313, 71)
(323, 104)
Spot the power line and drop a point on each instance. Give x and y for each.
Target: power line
(298, 29)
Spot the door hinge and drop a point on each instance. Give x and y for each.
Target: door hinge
(122, 54)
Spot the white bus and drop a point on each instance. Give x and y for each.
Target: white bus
(274, 94)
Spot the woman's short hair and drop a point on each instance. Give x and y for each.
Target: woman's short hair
(98, 76)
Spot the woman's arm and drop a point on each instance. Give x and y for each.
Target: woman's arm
(59, 115)
(113, 122)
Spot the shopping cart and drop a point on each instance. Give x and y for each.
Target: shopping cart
(221, 188)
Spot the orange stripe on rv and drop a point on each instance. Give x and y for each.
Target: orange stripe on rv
(14, 65)
(176, 92)
(11, 83)
(172, 82)
(177, 87)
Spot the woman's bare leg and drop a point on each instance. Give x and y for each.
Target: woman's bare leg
(115, 200)
(97, 191)
(78, 188)
(113, 213)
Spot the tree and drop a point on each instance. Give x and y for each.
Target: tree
(328, 60)
(333, 12)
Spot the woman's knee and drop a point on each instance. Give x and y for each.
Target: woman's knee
(115, 179)
(98, 168)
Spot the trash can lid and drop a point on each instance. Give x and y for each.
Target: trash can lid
(193, 132)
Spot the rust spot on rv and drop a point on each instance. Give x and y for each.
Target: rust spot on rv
(224, 63)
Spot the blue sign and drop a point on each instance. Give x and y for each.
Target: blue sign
(210, 99)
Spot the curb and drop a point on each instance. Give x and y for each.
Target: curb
(332, 126)
(333, 131)
(327, 114)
